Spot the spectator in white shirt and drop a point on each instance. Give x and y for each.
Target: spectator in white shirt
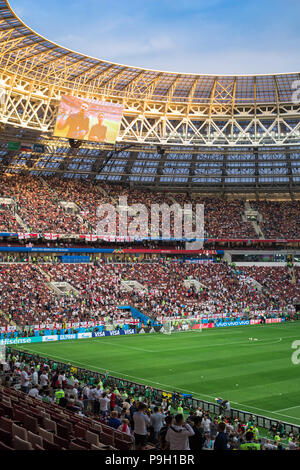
(34, 392)
(35, 377)
(25, 377)
(141, 422)
(44, 380)
(104, 403)
(179, 433)
(97, 395)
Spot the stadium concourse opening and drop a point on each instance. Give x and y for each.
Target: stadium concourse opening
(146, 339)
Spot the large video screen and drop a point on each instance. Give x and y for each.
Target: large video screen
(83, 119)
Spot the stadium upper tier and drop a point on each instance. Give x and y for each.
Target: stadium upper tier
(159, 107)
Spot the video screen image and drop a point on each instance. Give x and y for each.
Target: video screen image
(83, 119)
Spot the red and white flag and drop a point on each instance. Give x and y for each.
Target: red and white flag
(84, 213)
(51, 236)
(23, 236)
(91, 238)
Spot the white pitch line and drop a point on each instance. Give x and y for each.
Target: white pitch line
(285, 409)
(131, 347)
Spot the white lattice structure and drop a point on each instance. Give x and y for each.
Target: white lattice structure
(220, 128)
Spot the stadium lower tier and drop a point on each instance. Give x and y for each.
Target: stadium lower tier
(72, 397)
(33, 294)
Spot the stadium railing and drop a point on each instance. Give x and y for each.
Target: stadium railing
(188, 402)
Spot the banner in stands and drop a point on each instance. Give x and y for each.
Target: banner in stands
(90, 120)
(33, 249)
(94, 238)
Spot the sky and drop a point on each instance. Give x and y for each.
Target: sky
(195, 36)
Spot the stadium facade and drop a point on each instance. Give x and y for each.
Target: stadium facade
(215, 134)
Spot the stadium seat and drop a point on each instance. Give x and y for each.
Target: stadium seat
(45, 435)
(92, 438)
(35, 439)
(49, 425)
(107, 439)
(5, 447)
(6, 423)
(79, 431)
(31, 424)
(121, 444)
(20, 444)
(48, 445)
(82, 442)
(5, 437)
(63, 431)
(19, 432)
(63, 443)
(74, 446)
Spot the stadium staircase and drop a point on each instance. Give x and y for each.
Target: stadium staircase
(59, 288)
(14, 213)
(102, 191)
(65, 204)
(137, 315)
(44, 274)
(249, 214)
(10, 322)
(197, 245)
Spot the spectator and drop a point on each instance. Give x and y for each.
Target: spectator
(156, 422)
(141, 422)
(114, 421)
(221, 441)
(178, 434)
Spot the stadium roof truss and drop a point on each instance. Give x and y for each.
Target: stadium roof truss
(178, 129)
(160, 107)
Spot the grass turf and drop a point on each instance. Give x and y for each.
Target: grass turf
(255, 376)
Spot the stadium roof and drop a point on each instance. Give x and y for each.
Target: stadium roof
(31, 55)
(225, 133)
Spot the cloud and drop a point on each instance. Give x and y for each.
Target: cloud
(196, 36)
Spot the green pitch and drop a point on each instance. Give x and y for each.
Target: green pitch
(255, 376)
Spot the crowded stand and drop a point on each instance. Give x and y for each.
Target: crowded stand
(8, 222)
(36, 198)
(37, 205)
(280, 218)
(221, 292)
(27, 300)
(279, 283)
(50, 406)
(163, 290)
